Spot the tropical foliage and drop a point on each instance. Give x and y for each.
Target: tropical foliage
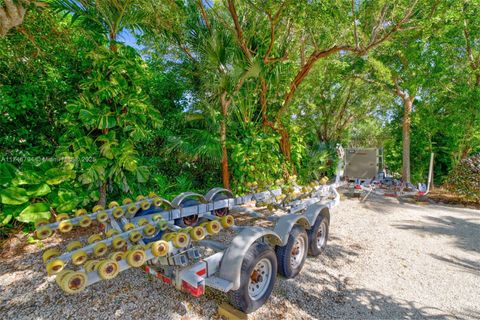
(109, 98)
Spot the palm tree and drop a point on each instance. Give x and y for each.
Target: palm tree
(108, 17)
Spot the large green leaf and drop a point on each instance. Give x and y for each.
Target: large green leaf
(142, 174)
(67, 206)
(14, 195)
(35, 212)
(38, 191)
(4, 219)
(107, 122)
(26, 177)
(7, 173)
(58, 175)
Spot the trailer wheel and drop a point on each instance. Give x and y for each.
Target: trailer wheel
(258, 274)
(189, 221)
(224, 211)
(291, 256)
(318, 235)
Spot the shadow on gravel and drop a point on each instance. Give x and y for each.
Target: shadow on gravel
(464, 231)
(467, 265)
(334, 298)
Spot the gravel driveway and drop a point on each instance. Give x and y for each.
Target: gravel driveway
(385, 260)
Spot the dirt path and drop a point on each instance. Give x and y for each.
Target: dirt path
(385, 260)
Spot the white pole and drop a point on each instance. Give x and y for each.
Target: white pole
(430, 173)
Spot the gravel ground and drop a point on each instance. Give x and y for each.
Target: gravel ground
(385, 260)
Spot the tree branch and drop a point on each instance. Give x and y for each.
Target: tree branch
(204, 14)
(238, 30)
(466, 34)
(355, 33)
(302, 73)
(273, 24)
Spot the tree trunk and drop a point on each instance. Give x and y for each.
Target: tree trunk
(408, 103)
(113, 42)
(285, 145)
(223, 141)
(102, 200)
(12, 14)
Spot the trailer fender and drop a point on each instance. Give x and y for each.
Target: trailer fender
(213, 192)
(314, 210)
(231, 264)
(285, 224)
(182, 196)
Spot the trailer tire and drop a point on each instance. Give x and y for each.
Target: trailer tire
(291, 257)
(224, 211)
(260, 261)
(190, 221)
(318, 234)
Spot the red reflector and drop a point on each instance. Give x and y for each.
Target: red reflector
(196, 292)
(201, 272)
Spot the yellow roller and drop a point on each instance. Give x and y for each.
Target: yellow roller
(73, 282)
(40, 223)
(159, 248)
(139, 198)
(80, 212)
(162, 225)
(127, 201)
(90, 265)
(85, 221)
(142, 222)
(135, 236)
(50, 253)
(100, 249)
(118, 243)
(137, 246)
(94, 238)
(132, 208)
(43, 232)
(102, 216)
(136, 258)
(197, 233)
(118, 212)
(97, 208)
(185, 230)
(168, 236)
(128, 226)
(145, 205)
(74, 245)
(227, 221)
(113, 204)
(108, 269)
(79, 258)
(157, 201)
(111, 232)
(152, 194)
(116, 256)
(61, 217)
(213, 227)
(65, 226)
(59, 276)
(157, 217)
(55, 266)
(149, 230)
(181, 240)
